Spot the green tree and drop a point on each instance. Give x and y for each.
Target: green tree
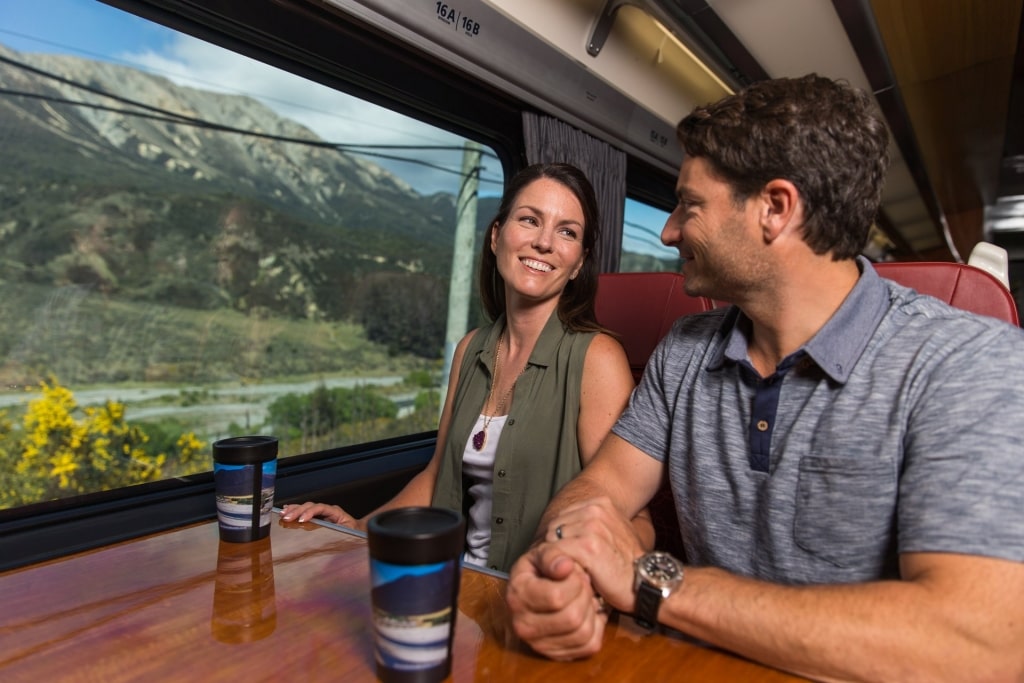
(324, 410)
(405, 312)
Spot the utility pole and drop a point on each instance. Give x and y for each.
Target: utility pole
(463, 258)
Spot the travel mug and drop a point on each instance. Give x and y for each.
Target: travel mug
(415, 566)
(244, 469)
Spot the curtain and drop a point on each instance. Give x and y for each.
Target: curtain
(549, 140)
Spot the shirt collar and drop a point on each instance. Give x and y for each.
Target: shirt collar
(544, 350)
(836, 347)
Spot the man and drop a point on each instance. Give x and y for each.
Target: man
(845, 455)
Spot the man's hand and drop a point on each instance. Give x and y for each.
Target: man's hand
(553, 605)
(600, 540)
(587, 551)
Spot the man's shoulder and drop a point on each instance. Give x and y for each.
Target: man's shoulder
(912, 314)
(920, 335)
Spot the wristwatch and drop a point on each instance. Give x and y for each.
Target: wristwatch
(656, 576)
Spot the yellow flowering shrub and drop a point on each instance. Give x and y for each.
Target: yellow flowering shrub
(63, 450)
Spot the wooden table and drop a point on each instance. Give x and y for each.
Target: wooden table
(181, 605)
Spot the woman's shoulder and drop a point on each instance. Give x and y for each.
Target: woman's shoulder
(604, 343)
(605, 350)
(467, 342)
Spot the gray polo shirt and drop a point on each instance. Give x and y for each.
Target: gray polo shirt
(899, 427)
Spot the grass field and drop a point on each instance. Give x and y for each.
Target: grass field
(86, 339)
(210, 372)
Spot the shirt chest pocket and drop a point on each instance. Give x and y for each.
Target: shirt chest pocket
(845, 511)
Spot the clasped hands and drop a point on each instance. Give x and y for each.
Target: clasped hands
(558, 590)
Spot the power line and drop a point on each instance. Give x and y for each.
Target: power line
(166, 116)
(172, 75)
(644, 229)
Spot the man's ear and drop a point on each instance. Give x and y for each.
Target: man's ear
(779, 208)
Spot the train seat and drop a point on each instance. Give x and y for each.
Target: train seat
(958, 284)
(640, 308)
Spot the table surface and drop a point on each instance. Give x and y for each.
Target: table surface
(183, 605)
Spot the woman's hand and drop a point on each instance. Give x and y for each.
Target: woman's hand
(308, 510)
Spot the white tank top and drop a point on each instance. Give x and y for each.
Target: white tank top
(478, 466)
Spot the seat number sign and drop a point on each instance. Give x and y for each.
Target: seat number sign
(456, 19)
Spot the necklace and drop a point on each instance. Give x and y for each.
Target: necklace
(480, 438)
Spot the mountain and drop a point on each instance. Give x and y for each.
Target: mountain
(167, 202)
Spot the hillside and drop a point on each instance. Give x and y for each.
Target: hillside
(149, 208)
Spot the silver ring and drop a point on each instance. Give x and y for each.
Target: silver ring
(558, 532)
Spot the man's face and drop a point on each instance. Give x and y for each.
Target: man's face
(718, 238)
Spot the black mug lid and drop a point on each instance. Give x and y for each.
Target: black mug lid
(416, 535)
(245, 450)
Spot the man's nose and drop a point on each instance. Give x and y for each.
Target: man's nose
(670, 235)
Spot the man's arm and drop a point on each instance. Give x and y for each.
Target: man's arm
(951, 617)
(627, 477)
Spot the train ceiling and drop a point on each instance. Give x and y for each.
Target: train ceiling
(947, 74)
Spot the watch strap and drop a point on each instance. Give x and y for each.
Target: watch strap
(648, 600)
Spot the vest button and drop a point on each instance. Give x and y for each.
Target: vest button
(762, 425)
(501, 473)
(499, 520)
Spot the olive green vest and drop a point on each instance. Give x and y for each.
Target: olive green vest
(538, 452)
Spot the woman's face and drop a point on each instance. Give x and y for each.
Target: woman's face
(539, 248)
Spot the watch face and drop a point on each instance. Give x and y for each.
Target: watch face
(661, 570)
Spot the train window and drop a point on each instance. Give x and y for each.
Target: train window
(642, 249)
(196, 244)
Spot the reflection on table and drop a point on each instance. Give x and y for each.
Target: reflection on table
(184, 605)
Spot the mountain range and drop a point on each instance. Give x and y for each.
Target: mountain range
(131, 185)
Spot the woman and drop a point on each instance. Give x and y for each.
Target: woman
(532, 395)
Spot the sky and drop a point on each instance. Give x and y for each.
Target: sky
(93, 30)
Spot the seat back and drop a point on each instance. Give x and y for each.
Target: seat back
(640, 308)
(958, 284)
